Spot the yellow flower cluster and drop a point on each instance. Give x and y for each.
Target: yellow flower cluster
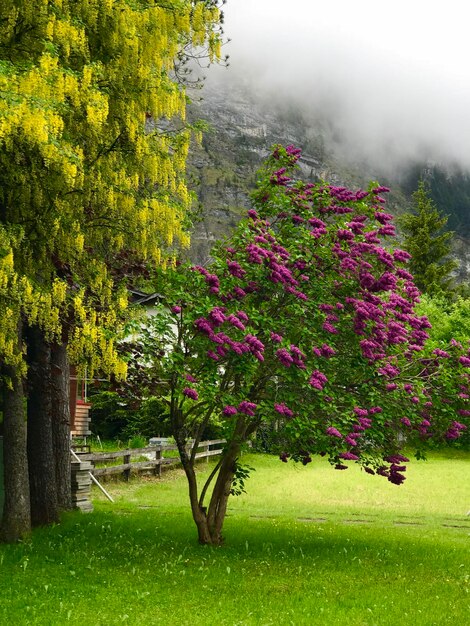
(86, 171)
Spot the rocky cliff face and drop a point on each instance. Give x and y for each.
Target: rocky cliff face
(242, 129)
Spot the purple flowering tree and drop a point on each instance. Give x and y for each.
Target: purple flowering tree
(305, 317)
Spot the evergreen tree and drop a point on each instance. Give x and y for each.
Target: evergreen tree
(429, 244)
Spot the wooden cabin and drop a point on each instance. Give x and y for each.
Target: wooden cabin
(79, 407)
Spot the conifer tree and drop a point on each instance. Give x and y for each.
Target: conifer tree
(429, 244)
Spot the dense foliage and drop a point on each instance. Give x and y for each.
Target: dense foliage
(93, 145)
(306, 317)
(84, 175)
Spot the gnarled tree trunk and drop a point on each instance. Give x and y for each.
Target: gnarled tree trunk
(60, 418)
(221, 492)
(16, 521)
(41, 461)
(209, 521)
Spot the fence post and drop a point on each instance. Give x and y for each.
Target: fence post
(81, 485)
(127, 472)
(158, 457)
(206, 450)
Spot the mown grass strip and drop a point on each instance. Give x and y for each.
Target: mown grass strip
(128, 564)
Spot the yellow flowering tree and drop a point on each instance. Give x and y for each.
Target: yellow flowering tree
(93, 145)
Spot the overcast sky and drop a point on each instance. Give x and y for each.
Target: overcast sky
(395, 76)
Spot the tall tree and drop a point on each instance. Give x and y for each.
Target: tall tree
(60, 423)
(41, 459)
(306, 317)
(429, 244)
(83, 175)
(16, 521)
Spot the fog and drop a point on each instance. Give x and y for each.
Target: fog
(391, 78)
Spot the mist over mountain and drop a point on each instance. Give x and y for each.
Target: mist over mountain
(243, 125)
(391, 79)
(367, 91)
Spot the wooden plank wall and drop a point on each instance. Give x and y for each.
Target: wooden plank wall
(81, 422)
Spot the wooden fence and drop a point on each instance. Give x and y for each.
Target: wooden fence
(155, 458)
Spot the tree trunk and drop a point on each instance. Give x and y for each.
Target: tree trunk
(221, 493)
(209, 522)
(60, 382)
(41, 462)
(16, 521)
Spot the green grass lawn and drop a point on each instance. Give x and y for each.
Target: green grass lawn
(305, 545)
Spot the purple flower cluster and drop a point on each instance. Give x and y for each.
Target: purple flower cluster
(248, 408)
(360, 412)
(293, 356)
(333, 432)
(284, 357)
(395, 474)
(329, 328)
(363, 424)
(216, 317)
(211, 279)
(283, 409)
(383, 218)
(294, 153)
(325, 351)
(229, 410)
(297, 356)
(401, 256)
(348, 456)
(380, 189)
(190, 393)
(387, 231)
(455, 430)
(351, 438)
(318, 380)
(342, 194)
(235, 321)
(396, 459)
(235, 269)
(389, 370)
(316, 222)
(256, 346)
(344, 235)
(278, 178)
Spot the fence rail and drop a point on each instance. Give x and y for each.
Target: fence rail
(155, 461)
